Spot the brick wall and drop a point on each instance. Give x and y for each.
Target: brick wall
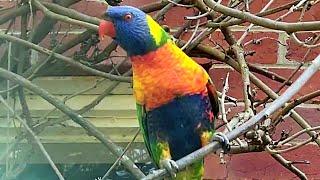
(270, 54)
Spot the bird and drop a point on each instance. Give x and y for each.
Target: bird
(176, 100)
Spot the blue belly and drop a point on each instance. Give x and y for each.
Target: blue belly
(180, 123)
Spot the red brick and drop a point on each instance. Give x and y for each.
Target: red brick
(235, 82)
(311, 86)
(310, 15)
(213, 169)
(256, 6)
(218, 76)
(290, 126)
(262, 166)
(90, 8)
(265, 51)
(297, 52)
(314, 12)
(175, 16)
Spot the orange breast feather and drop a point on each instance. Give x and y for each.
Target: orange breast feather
(164, 74)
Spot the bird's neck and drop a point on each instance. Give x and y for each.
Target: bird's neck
(166, 55)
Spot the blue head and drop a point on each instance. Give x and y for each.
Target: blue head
(136, 32)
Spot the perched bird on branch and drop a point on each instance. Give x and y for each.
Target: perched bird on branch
(176, 100)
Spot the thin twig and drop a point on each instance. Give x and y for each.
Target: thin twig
(59, 17)
(92, 130)
(297, 134)
(303, 44)
(262, 14)
(288, 80)
(216, 54)
(284, 26)
(278, 103)
(164, 10)
(36, 139)
(245, 76)
(223, 95)
(272, 151)
(251, 25)
(181, 5)
(64, 58)
(257, 41)
(277, 117)
(291, 10)
(244, 69)
(192, 36)
(223, 110)
(198, 16)
(119, 158)
(289, 166)
(102, 2)
(73, 14)
(31, 19)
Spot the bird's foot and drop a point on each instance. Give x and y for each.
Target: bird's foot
(170, 165)
(223, 140)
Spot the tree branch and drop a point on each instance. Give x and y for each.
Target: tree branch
(65, 59)
(287, 27)
(265, 113)
(223, 58)
(75, 117)
(63, 18)
(33, 135)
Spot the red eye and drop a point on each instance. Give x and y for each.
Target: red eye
(127, 17)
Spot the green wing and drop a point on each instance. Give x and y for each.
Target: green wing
(141, 114)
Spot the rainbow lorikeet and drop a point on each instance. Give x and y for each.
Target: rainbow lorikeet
(176, 100)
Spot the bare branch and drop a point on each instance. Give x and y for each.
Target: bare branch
(120, 157)
(239, 54)
(222, 57)
(295, 38)
(63, 18)
(289, 166)
(297, 134)
(278, 103)
(60, 10)
(65, 59)
(288, 27)
(262, 14)
(180, 5)
(36, 139)
(251, 25)
(290, 148)
(75, 117)
(192, 36)
(223, 110)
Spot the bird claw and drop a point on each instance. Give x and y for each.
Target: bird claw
(223, 140)
(170, 165)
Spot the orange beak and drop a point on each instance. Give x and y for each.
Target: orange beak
(106, 28)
